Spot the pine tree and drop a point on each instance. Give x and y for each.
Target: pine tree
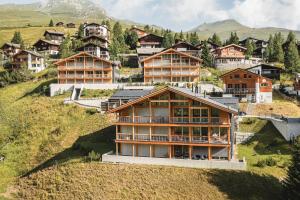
(215, 39)
(65, 49)
(291, 37)
(131, 38)
(176, 37)
(278, 51)
(233, 39)
(250, 48)
(194, 39)
(206, 55)
(292, 182)
(147, 29)
(270, 49)
(181, 36)
(118, 44)
(51, 24)
(17, 39)
(168, 40)
(291, 61)
(80, 33)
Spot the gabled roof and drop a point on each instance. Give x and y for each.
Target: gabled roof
(80, 54)
(245, 70)
(96, 37)
(92, 44)
(238, 46)
(183, 43)
(46, 41)
(153, 35)
(129, 94)
(53, 32)
(251, 38)
(136, 28)
(181, 91)
(29, 52)
(265, 65)
(11, 45)
(172, 50)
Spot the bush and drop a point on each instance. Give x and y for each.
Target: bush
(248, 121)
(91, 111)
(261, 163)
(275, 142)
(271, 162)
(93, 156)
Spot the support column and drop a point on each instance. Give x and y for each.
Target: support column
(117, 148)
(150, 150)
(228, 151)
(190, 134)
(133, 150)
(150, 111)
(209, 153)
(170, 151)
(190, 152)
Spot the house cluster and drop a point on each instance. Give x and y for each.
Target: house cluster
(68, 25)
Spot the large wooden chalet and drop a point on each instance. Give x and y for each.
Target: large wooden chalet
(175, 123)
(260, 46)
(171, 66)
(47, 47)
(97, 30)
(10, 49)
(187, 48)
(54, 36)
(85, 68)
(246, 84)
(268, 71)
(95, 49)
(150, 41)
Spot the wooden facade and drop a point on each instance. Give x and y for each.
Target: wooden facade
(171, 66)
(10, 49)
(47, 47)
(96, 30)
(139, 32)
(59, 24)
(84, 68)
(96, 50)
(71, 25)
(151, 41)
(54, 36)
(174, 123)
(30, 59)
(187, 48)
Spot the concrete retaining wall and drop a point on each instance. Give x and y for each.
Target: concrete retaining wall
(212, 164)
(242, 137)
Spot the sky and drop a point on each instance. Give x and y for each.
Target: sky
(187, 14)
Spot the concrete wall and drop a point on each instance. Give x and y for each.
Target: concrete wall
(216, 164)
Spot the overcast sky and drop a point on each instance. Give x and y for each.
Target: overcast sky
(186, 14)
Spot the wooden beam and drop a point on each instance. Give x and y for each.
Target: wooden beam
(150, 150)
(133, 151)
(209, 153)
(117, 149)
(190, 152)
(170, 151)
(228, 149)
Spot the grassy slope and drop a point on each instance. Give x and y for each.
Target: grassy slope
(34, 128)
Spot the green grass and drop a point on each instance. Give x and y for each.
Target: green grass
(86, 93)
(266, 143)
(34, 128)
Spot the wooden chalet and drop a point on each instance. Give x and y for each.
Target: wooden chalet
(139, 32)
(187, 48)
(96, 40)
(10, 49)
(95, 49)
(260, 46)
(171, 66)
(47, 47)
(268, 71)
(54, 36)
(71, 25)
(30, 59)
(150, 41)
(245, 84)
(175, 123)
(211, 46)
(59, 24)
(84, 68)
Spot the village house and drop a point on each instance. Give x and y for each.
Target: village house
(95, 49)
(247, 85)
(175, 123)
(139, 32)
(54, 36)
(59, 24)
(46, 47)
(71, 25)
(211, 46)
(96, 30)
(233, 56)
(85, 68)
(171, 66)
(10, 49)
(150, 41)
(260, 46)
(268, 71)
(187, 48)
(96, 40)
(30, 59)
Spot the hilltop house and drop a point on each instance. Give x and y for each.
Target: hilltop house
(59, 24)
(242, 83)
(268, 71)
(233, 56)
(96, 30)
(139, 32)
(171, 66)
(97, 50)
(54, 36)
(175, 124)
(10, 49)
(30, 59)
(85, 68)
(260, 46)
(71, 25)
(47, 47)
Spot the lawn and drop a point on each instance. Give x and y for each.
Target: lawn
(86, 93)
(34, 128)
(267, 143)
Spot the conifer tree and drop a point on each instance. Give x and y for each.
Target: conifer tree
(250, 48)
(51, 24)
(147, 29)
(17, 39)
(131, 38)
(194, 38)
(270, 49)
(233, 39)
(215, 39)
(168, 40)
(292, 182)
(291, 61)
(80, 33)
(65, 49)
(206, 55)
(181, 36)
(118, 44)
(278, 51)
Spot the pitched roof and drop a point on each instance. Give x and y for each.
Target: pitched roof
(151, 34)
(245, 70)
(181, 91)
(265, 65)
(137, 29)
(46, 41)
(29, 52)
(229, 45)
(171, 50)
(95, 36)
(79, 54)
(129, 94)
(11, 45)
(184, 43)
(54, 32)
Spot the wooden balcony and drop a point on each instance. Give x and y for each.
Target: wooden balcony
(239, 90)
(171, 120)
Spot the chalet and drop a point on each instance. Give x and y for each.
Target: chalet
(175, 123)
(150, 41)
(10, 49)
(31, 59)
(245, 84)
(268, 71)
(96, 50)
(171, 66)
(260, 45)
(96, 40)
(71, 25)
(187, 48)
(59, 24)
(139, 32)
(97, 30)
(85, 68)
(47, 47)
(211, 46)
(54, 36)
(233, 56)
(146, 52)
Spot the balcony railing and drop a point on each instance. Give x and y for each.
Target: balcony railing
(172, 120)
(174, 138)
(239, 90)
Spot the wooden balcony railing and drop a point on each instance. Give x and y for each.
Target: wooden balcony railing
(174, 138)
(239, 90)
(172, 120)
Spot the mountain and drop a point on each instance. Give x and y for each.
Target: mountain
(223, 29)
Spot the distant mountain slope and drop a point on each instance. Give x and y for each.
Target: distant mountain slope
(223, 29)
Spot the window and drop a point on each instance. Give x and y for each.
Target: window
(249, 76)
(244, 85)
(230, 77)
(229, 85)
(245, 75)
(236, 76)
(215, 112)
(264, 85)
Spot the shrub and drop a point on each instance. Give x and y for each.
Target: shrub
(271, 162)
(91, 111)
(261, 163)
(93, 156)
(249, 121)
(275, 142)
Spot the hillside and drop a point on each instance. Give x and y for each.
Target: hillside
(223, 29)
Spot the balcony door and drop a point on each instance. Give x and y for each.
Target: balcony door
(181, 115)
